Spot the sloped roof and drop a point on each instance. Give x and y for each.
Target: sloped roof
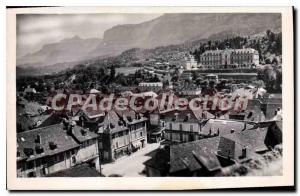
(82, 134)
(160, 160)
(83, 170)
(224, 126)
(111, 118)
(182, 116)
(54, 133)
(189, 155)
(252, 139)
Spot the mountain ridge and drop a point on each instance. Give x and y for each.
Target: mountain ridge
(165, 30)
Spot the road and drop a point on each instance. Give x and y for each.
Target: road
(130, 165)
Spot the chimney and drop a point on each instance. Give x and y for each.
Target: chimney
(188, 116)
(244, 153)
(65, 123)
(70, 130)
(176, 116)
(38, 139)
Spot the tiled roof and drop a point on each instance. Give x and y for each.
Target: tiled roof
(224, 126)
(82, 134)
(189, 155)
(182, 116)
(54, 133)
(110, 123)
(160, 160)
(252, 139)
(91, 113)
(204, 153)
(83, 170)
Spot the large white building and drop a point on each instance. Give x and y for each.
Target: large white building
(223, 59)
(191, 63)
(229, 58)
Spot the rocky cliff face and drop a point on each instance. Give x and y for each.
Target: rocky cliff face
(165, 30)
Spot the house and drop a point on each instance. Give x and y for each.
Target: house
(158, 165)
(121, 133)
(150, 86)
(190, 62)
(88, 151)
(50, 149)
(29, 91)
(229, 58)
(273, 105)
(180, 125)
(114, 137)
(136, 123)
(209, 156)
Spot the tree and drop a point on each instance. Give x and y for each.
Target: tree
(112, 73)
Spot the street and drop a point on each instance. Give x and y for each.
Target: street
(130, 165)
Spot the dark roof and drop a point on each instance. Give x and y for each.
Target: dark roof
(182, 116)
(130, 114)
(189, 155)
(91, 113)
(83, 134)
(271, 108)
(251, 139)
(110, 123)
(54, 133)
(160, 160)
(203, 153)
(224, 126)
(78, 171)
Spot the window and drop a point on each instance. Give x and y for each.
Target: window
(141, 134)
(61, 157)
(180, 127)
(73, 160)
(191, 128)
(30, 165)
(117, 145)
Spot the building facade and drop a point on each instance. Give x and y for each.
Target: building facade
(51, 149)
(190, 62)
(180, 126)
(229, 58)
(121, 133)
(150, 86)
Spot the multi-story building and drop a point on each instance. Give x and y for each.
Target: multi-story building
(121, 133)
(190, 62)
(180, 126)
(229, 58)
(50, 149)
(150, 86)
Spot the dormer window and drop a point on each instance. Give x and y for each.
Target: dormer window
(28, 151)
(38, 139)
(111, 126)
(129, 118)
(39, 150)
(83, 132)
(52, 145)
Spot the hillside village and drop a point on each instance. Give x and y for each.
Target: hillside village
(165, 141)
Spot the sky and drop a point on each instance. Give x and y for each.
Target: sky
(36, 30)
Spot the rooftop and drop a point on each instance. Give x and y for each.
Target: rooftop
(78, 171)
(55, 134)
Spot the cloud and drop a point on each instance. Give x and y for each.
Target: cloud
(36, 30)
